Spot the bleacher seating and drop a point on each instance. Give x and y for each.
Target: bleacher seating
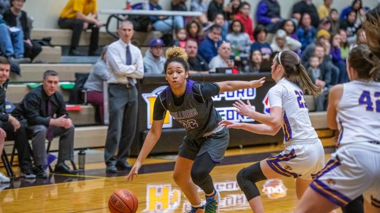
(61, 37)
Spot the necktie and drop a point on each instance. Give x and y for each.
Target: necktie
(129, 62)
(50, 133)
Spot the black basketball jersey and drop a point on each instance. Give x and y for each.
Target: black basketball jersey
(197, 118)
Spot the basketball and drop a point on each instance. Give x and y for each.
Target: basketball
(123, 201)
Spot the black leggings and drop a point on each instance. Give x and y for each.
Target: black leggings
(200, 172)
(355, 206)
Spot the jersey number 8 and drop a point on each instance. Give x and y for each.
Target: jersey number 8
(365, 99)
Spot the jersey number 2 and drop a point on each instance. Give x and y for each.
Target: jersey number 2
(365, 99)
(300, 99)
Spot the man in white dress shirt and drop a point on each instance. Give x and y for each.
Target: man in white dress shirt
(126, 65)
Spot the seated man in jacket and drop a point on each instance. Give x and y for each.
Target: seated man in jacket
(45, 111)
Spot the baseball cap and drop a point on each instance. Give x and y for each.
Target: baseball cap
(156, 42)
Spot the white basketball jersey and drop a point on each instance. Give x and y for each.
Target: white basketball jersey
(296, 121)
(358, 113)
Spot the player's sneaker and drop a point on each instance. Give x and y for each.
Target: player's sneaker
(197, 209)
(212, 202)
(4, 179)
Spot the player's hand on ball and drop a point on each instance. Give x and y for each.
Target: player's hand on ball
(230, 124)
(258, 83)
(243, 108)
(134, 172)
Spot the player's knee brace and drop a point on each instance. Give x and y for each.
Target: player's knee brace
(247, 179)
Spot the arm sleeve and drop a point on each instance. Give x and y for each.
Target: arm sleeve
(159, 112)
(275, 96)
(78, 5)
(32, 107)
(205, 91)
(292, 43)
(261, 12)
(26, 28)
(4, 117)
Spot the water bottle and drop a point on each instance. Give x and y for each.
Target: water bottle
(146, 5)
(81, 159)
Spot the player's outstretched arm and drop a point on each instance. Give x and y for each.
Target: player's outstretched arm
(227, 86)
(262, 129)
(151, 139)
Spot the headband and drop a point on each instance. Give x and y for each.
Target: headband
(279, 58)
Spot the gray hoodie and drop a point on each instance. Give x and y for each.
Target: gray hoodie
(152, 65)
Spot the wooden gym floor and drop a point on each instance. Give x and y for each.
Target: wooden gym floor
(155, 189)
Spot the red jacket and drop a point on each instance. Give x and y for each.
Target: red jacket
(248, 24)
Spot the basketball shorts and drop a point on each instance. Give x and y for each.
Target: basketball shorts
(215, 145)
(353, 170)
(301, 159)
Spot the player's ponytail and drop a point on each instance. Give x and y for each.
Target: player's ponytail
(176, 54)
(371, 26)
(364, 62)
(296, 72)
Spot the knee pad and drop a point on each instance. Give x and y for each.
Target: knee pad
(198, 176)
(247, 179)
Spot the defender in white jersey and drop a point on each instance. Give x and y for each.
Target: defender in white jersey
(354, 109)
(303, 156)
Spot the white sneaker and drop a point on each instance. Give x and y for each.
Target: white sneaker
(4, 179)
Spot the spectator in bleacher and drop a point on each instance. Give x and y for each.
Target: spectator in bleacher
(14, 129)
(45, 111)
(12, 43)
(180, 38)
(344, 45)
(194, 31)
(11, 128)
(306, 6)
(323, 38)
(164, 23)
(94, 84)
(222, 60)
(254, 64)
(179, 5)
(357, 6)
(324, 10)
(218, 20)
(260, 36)
(243, 16)
(154, 59)
(337, 59)
(268, 13)
(16, 17)
(283, 42)
(319, 79)
(215, 7)
(334, 19)
(196, 63)
(200, 6)
(290, 28)
(126, 65)
(79, 15)
(325, 24)
(232, 9)
(306, 32)
(238, 38)
(349, 24)
(208, 47)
